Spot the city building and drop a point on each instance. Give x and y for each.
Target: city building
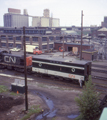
(89, 54)
(14, 19)
(104, 24)
(70, 46)
(99, 33)
(45, 20)
(39, 36)
(13, 37)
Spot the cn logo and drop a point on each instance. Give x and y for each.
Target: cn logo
(71, 76)
(10, 59)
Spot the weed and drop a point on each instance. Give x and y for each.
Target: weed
(31, 111)
(3, 89)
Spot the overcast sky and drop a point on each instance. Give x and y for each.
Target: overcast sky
(68, 11)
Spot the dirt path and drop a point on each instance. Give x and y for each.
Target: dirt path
(62, 98)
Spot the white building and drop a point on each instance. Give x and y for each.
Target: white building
(45, 21)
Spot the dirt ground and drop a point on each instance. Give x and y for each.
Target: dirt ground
(12, 107)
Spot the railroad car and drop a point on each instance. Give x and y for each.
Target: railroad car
(62, 67)
(12, 61)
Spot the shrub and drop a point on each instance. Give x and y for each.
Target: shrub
(88, 102)
(3, 89)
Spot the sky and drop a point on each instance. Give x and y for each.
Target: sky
(68, 11)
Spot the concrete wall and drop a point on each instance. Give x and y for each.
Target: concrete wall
(36, 22)
(55, 22)
(44, 22)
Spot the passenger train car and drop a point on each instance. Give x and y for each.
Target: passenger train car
(62, 67)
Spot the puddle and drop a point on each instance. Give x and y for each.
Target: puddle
(52, 111)
(72, 116)
(46, 114)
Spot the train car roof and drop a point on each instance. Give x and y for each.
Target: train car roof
(14, 55)
(53, 57)
(60, 59)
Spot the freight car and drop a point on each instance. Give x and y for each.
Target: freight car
(16, 62)
(62, 67)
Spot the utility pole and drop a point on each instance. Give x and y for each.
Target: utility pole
(63, 45)
(25, 71)
(81, 34)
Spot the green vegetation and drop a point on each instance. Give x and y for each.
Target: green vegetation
(33, 110)
(3, 89)
(88, 102)
(54, 118)
(13, 93)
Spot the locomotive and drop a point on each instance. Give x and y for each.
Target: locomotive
(67, 68)
(16, 62)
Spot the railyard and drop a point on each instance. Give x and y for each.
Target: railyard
(61, 92)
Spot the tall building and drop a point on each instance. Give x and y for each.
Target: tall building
(14, 19)
(46, 13)
(104, 24)
(45, 21)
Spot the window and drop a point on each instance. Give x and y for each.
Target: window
(57, 38)
(44, 39)
(10, 44)
(35, 39)
(18, 38)
(27, 38)
(3, 37)
(18, 45)
(51, 38)
(3, 44)
(50, 45)
(19, 31)
(10, 37)
(44, 46)
(26, 31)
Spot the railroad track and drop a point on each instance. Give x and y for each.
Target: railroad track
(99, 78)
(57, 81)
(101, 66)
(101, 88)
(101, 71)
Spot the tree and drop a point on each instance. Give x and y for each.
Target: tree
(88, 102)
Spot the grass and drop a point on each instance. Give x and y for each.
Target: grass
(3, 89)
(13, 93)
(31, 111)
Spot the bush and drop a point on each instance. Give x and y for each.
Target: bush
(88, 102)
(3, 89)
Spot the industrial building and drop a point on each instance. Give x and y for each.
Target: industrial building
(45, 20)
(14, 19)
(13, 37)
(104, 24)
(72, 47)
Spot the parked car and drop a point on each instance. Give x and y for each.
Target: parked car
(15, 49)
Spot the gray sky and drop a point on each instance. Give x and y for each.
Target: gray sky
(68, 11)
